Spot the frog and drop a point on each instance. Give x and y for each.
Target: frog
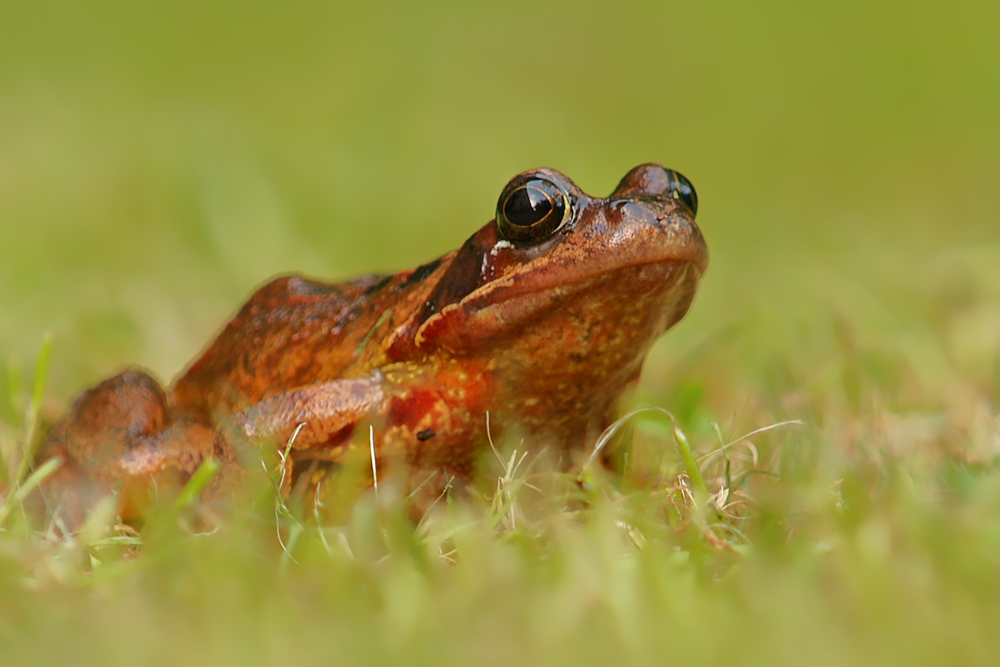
(536, 326)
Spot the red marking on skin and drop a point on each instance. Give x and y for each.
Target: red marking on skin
(410, 409)
(340, 436)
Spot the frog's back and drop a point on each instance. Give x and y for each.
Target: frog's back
(290, 333)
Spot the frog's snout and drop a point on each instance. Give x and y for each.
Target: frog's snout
(655, 180)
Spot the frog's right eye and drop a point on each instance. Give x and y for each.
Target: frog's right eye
(531, 210)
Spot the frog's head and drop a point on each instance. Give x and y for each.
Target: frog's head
(557, 268)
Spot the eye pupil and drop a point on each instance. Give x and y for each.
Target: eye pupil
(526, 206)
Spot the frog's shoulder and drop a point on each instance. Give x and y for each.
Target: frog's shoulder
(295, 330)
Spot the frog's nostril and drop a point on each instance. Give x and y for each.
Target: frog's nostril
(654, 180)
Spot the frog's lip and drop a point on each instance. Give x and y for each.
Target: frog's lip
(509, 288)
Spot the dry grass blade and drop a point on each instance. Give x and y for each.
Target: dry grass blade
(683, 447)
(745, 438)
(371, 450)
(281, 510)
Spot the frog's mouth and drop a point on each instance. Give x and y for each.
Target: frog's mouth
(650, 295)
(674, 282)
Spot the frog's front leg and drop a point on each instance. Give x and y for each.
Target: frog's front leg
(317, 421)
(327, 423)
(120, 435)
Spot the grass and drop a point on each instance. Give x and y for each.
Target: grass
(158, 162)
(741, 554)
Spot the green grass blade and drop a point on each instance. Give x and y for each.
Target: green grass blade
(19, 493)
(37, 393)
(15, 385)
(687, 456)
(201, 477)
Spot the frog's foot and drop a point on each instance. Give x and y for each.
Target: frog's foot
(119, 435)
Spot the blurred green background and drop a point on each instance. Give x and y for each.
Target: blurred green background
(159, 160)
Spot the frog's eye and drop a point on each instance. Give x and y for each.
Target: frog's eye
(680, 188)
(529, 211)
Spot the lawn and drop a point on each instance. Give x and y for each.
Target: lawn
(156, 164)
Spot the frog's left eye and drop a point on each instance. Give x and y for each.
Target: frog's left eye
(531, 210)
(680, 188)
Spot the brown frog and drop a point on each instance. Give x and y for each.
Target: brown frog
(537, 324)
